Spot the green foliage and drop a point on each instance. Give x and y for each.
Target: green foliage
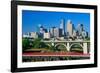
(36, 43)
(50, 47)
(43, 45)
(53, 48)
(25, 44)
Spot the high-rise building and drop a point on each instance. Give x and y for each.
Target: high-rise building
(62, 26)
(34, 35)
(84, 34)
(45, 30)
(57, 32)
(52, 31)
(80, 28)
(42, 30)
(46, 35)
(69, 28)
(31, 35)
(26, 36)
(74, 33)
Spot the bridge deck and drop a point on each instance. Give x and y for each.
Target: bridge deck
(73, 54)
(66, 41)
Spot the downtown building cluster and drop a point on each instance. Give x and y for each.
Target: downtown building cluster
(68, 32)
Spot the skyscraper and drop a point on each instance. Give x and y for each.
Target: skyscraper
(80, 28)
(62, 26)
(42, 30)
(69, 28)
(57, 32)
(74, 33)
(52, 31)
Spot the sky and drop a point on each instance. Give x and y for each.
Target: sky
(32, 19)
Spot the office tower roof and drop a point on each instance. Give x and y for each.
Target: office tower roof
(69, 22)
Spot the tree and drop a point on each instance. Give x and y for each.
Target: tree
(36, 43)
(25, 44)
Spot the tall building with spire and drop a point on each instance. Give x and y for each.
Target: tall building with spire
(62, 26)
(69, 28)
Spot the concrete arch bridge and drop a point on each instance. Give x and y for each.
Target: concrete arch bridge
(69, 44)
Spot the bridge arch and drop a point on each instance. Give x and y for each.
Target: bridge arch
(48, 45)
(80, 45)
(60, 44)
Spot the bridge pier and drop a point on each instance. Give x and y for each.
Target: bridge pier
(85, 51)
(68, 46)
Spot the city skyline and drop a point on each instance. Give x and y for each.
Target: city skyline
(31, 20)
